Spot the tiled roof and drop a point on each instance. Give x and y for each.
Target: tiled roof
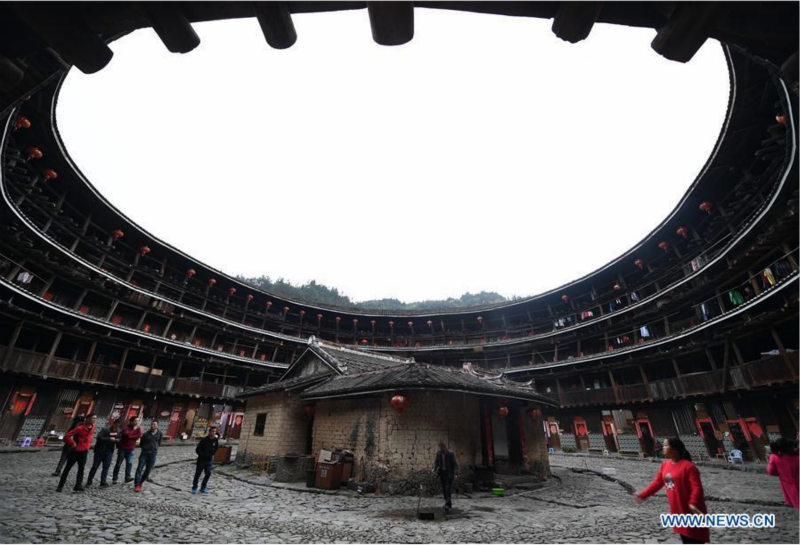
(350, 361)
(289, 384)
(415, 376)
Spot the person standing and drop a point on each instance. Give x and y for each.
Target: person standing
(79, 440)
(65, 450)
(446, 468)
(107, 440)
(783, 463)
(149, 444)
(205, 450)
(126, 446)
(681, 478)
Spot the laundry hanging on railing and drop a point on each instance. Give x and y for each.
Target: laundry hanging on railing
(768, 277)
(634, 296)
(735, 297)
(644, 332)
(24, 277)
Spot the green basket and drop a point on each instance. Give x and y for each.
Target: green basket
(499, 491)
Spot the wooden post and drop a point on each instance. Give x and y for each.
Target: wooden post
(782, 350)
(560, 395)
(726, 360)
(678, 374)
(123, 359)
(614, 386)
(12, 343)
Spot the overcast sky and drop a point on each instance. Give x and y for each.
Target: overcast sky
(486, 154)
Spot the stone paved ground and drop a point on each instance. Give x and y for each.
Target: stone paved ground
(575, 507)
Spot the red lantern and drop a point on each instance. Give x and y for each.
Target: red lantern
(117, 234)
(269, 304)
(302, 313)
(706, 207)
(22, 122)
(639, 263)
(285, 310)
(391, 323)
(364, 341)
(617, 287)
(144, 250)
(355, 321)
(319, 317)
(682, 231)
(338, 319)
(410, 324)
(664, 246)
(33, 153)
(249, 297)
(309, 410)
(49, 174)
(231, 291)
(536, 413)
(480, 319)
(430, 323)
(372, 323)
(779, 118)
(191, 272)
(565, 298)
(399, 402)
(502, 411)
(212, 281)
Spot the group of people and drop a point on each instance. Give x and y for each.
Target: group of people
(78, 440)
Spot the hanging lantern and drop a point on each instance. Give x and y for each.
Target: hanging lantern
(364, 341)
(33, 153)
(309, 410)
(502, 411)
(706, 207)
(372, 323)
(779, 118)
(391, 323)
(480, 319)
(664, 245)
(682, 231)
(231, 291)
(338, 319)
(355, 322)
(565, 298)
(212, 281)
(319, 317)
(430, 323)
(535, 413)
(22, 122)
(144, 250)
(285, 310)
(269, 304)
(49, 174)
(399, 402)
(117, 234)
(249, 297)
(302, 313)
(639, 263)
(617, 287)
(191, 272)
(410, 324)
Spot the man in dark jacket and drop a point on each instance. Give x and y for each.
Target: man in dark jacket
(149, 444)
(126, 446)
(106, 442)
(66, 449)
(205, 455)
(446, 468)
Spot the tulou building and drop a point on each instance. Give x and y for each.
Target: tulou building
(692, 332)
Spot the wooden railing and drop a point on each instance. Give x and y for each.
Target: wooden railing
(702, 382)
(588, 397)
(633, 392)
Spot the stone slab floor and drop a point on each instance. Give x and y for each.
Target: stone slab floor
(588, 502)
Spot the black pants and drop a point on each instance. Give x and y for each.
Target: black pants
(74, 458)
(65, 450)
(103, 458)
(203, 467)
(447, 488)
(685, 539)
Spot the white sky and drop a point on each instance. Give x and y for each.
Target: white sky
(486, 154)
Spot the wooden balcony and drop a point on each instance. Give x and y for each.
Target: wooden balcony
(600, 396)
(633, 392)
(702, 383)
(768, 371)
(664, 389)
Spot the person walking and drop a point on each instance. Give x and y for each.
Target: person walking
(80, 440)
(681, 478)
(65, 450)
(446, 468)
(783, 463)
(125, 448)
(205, 450)
(149, 444)
(106, 442)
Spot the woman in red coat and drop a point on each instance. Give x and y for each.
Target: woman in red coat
(80, 440)
(784, 464)
(681, 479)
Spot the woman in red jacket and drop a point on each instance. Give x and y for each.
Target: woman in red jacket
(80, 440)
(681, 479)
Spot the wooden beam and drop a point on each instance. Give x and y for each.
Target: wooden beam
(574, 20)
(276, 24)
(172, 27)
(392, 23)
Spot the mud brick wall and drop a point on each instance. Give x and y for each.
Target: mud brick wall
(535, 451)
(285, 428)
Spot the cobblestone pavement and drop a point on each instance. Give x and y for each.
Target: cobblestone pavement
(577, 506)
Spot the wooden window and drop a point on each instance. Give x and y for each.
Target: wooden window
(261, 421)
